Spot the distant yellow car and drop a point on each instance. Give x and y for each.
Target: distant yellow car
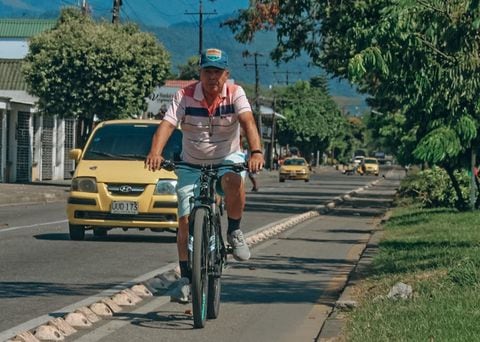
(370, 166)
(294, 168)
(112, 188)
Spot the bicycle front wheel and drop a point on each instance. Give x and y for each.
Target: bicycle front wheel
(214, 279)
(199, 262)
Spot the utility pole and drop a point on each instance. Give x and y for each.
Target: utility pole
(116, 11)
(201, 13)
(257, 110)
(255, 55)
(272, 143)
(85, 8)
(287, 73)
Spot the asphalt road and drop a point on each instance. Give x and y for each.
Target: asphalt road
(42, 271)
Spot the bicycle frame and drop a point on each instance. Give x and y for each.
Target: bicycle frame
(209, 200)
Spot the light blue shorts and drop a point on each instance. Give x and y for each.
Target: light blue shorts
(188, 182)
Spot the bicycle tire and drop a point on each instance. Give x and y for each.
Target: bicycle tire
(199, 267)
(214, 280)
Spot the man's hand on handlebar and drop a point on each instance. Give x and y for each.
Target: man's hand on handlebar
(154, 162)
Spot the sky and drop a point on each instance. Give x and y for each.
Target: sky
(149, 12)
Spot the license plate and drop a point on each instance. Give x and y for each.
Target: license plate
(124, 207)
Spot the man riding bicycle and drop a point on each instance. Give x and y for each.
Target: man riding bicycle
(210, 114)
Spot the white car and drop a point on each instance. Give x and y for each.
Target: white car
(358, 160)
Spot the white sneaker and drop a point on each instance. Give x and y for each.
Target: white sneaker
(181, 292)
(241, 252)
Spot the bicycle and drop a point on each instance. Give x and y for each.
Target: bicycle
(207, 251)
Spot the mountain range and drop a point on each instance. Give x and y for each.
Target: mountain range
(177, 28)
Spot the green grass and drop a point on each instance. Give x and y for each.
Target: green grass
(437, 252)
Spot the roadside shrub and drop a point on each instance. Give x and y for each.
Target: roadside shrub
(433, 188)
(466, 272)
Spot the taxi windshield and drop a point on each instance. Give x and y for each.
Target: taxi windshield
(294, 162)
(129, 142)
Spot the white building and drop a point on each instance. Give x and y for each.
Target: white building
(32, 146)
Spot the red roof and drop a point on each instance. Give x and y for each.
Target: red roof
(179, 83)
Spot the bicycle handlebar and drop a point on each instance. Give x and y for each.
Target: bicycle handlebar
(170, 165)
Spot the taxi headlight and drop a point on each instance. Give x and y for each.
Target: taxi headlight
(84, 184)
(165, 187)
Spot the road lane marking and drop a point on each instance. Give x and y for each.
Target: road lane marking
(31, 226)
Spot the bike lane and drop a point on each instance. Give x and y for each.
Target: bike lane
(284, 293)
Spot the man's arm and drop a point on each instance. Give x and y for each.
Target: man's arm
(247, 122)
(154, 158)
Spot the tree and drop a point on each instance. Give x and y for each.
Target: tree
(312, 117)
(82, 69)
(191, 70)
(417, 59)
(320, 82)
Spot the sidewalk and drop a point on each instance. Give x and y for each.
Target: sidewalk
(17, 193)
(284, 293)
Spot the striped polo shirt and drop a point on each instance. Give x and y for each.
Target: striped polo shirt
(208, 137)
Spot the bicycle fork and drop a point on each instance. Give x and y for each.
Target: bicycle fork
(217, 252)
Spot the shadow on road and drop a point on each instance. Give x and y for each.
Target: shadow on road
(165, 320)
(21, 289)
(109, 238)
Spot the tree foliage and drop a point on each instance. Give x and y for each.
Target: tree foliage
(81, 69)
(418, 60)
(191, 70)
(313, 120)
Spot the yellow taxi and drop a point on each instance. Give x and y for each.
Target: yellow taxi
(370, 166)
(294, 168)
(112, 188)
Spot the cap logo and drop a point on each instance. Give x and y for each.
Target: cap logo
(213, 55)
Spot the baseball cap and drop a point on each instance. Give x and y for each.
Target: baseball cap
(214, 58)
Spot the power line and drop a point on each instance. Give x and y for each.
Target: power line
(132, 10)
(69, 3)
(201, 13)
(161, 12)
(124, 12)
(287, 73)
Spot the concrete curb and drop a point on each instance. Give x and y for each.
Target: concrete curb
(130, 294)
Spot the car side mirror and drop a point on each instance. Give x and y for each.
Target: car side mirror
(75, 154)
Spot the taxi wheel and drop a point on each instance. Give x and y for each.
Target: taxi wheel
(281, 180)
(100, 232)
(77, 232)
(307, 180)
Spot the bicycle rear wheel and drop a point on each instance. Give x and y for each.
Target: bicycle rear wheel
(199, 262)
